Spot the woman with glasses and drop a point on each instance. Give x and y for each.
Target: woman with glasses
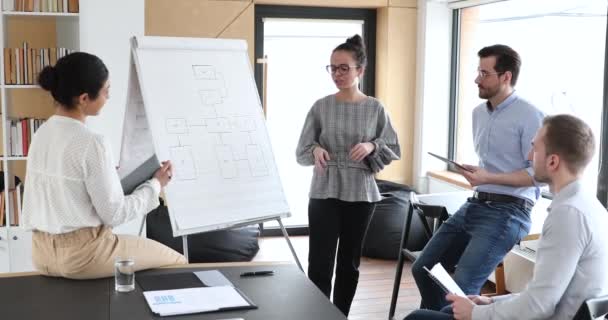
(348, 138)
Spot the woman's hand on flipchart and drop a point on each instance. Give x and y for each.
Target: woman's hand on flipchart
(164, 173)
(361, 150)
(321, 157)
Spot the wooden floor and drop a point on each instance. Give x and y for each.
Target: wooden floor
(373, 296)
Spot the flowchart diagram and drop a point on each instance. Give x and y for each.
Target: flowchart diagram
(232, 137)
(211, 88)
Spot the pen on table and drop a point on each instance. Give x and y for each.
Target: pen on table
(257, 273)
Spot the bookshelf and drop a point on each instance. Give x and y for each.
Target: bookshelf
(39, 14)
(22, 99)
(100, 27)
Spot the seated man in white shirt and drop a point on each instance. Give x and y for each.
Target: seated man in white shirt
(573, 249)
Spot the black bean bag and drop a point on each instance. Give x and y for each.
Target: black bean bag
(384, 233)
(214, 246)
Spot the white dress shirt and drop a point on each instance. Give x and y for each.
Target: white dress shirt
(72, 183)
(570, 263)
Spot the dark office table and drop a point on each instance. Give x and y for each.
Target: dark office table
(288, 294)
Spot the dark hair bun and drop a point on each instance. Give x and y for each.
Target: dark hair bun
(355, 46)
(48, 78)
(356, 40)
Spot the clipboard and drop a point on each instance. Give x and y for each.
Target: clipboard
(437, 282)
(182, 280)
(452, 162)
(169, 281)
(444, 280)
(140, 175)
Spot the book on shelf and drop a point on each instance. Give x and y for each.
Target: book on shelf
(22, 65)
(14, 206)
(20, 133)
(60, 6)
(2, 221)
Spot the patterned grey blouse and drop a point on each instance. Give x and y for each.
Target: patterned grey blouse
(338, 127)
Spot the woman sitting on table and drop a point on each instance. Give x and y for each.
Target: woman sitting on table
(73, 196)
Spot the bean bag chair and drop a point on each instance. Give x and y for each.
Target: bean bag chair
(214, 246)
(384, 233)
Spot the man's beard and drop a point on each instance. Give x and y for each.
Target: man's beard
(542, 178)
(487, 93)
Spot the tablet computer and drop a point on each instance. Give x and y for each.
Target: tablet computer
(452, 162)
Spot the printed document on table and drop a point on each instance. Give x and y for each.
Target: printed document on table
(195, 300)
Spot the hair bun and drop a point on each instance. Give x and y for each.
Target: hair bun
(47, 78)
(356, 40)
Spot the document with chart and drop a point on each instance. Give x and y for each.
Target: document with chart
(196, 300)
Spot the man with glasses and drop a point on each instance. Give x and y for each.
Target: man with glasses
(573, 248)
(477, 237)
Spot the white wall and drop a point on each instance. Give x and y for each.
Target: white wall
(433, 89)
(113, 23)
(106, 27)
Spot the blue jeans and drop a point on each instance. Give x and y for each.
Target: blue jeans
(471, 244)
(422, 314)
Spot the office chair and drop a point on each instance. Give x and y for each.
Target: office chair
(438, 214)
(592, 308)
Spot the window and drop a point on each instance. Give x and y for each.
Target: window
(562, 46)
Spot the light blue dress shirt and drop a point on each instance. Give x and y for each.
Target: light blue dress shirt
(503, 137)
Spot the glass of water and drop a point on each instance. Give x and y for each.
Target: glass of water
(124, 274)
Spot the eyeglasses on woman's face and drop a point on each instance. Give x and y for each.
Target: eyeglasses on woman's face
(341, 68)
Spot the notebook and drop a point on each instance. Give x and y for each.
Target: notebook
(444, 280)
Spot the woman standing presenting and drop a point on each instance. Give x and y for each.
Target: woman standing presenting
(73, 196)
(348, 138)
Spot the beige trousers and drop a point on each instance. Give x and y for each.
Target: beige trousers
(89, 253)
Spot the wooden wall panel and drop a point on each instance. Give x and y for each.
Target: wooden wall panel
(396, 58)
(242, 28)
(403, 3)
(382, 45)
(191, 18)
(201, 18)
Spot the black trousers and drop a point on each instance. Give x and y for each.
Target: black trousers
(330, 220)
